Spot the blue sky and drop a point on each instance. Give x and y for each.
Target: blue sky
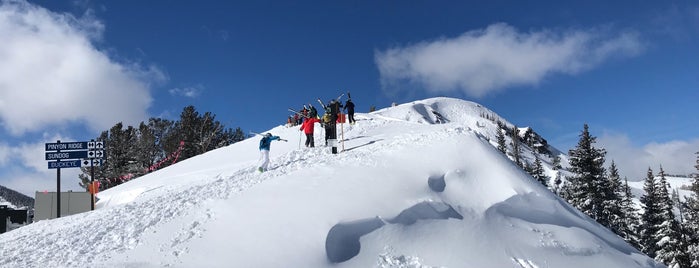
(629, 69)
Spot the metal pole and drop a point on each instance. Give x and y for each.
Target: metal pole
(92, 184)
(58, 185)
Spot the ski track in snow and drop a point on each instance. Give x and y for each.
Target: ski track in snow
(124, 229)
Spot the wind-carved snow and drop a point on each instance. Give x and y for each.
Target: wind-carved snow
(342, 242)
(216, 210)
(437, 183)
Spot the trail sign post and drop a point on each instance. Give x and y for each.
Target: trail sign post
(58, 151)
(95, 154)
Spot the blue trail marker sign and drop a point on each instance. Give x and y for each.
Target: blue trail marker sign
(66, 155)
(64, 164)
(70, 146)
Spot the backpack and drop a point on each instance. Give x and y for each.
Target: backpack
(327, 118)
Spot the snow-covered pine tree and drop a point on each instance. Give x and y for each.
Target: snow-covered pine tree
(538, 172)
(670, 247)
(558, 185)
(613, 202)
(588, 185)
(631, 226)
(516, 147)
(651, 217)
(502, 145)
(691, 226)
(557, 162)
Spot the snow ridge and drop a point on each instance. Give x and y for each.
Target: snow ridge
(428, 167)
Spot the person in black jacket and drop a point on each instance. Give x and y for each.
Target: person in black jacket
(332, 111)
(349, 107)
(335, 107)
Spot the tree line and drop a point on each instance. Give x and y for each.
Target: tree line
(599, 192)
(131, 152)
(656, 230)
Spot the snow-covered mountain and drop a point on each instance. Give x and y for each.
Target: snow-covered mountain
(417, 185)
(15, 200)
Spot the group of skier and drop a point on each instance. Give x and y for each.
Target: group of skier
(309, 117)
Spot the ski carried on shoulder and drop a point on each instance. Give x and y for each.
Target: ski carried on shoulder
(322, 104)
(296, 112)
(340, 97)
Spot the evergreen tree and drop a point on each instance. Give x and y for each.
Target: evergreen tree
(529, 138)
(238, 135)
(691, 226)
(538, 172)
(502, 145)
(651, 217)
(670, 251)
(588, 185)
(165, 137)
(187, 129)
(557, 162)
(630, 229)
(148, 151)
(615, 204)
(120, 158)
(558, 185)
(516, 147)
(201, 133)
(131, 152)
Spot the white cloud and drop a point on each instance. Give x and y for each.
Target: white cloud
(5, 153)
(676, 157)
(482, 61)
(50, 73)
(190, 92)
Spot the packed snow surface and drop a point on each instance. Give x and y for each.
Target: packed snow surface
(416, 185)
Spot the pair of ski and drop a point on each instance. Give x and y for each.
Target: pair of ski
(321, 104)
(338, 99)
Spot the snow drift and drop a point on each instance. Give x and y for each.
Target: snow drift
(417, 185)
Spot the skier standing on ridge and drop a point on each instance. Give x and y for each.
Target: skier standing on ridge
(265, 143)
(349, 107)
(312, 112)
(332, 111)
(307, 128)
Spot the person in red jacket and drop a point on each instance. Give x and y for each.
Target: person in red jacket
(307, 128)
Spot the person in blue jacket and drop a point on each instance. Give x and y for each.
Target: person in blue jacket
(265, 143)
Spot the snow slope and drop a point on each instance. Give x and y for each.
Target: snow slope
(405, 192)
